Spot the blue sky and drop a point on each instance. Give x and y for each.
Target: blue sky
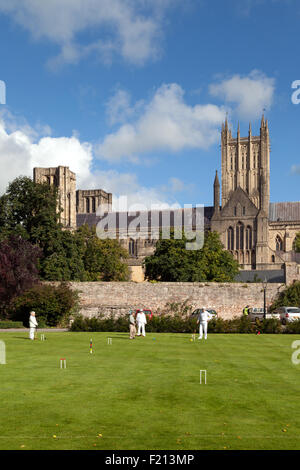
(131, 94)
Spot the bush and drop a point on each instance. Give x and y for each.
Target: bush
(10, 324)
(158, 324)
(293, 327)
(289, 296)
(52, 304)
(269, 325)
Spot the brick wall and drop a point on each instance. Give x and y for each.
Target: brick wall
(117, 297)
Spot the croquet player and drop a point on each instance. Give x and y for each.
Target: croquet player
(132, 328)
(202, 320)
(32, 325)
(141, 322)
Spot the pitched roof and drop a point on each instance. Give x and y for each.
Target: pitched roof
(284, 211)
(162, 216)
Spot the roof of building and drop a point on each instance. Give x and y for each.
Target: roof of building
(278, 212)
(156, 218)
(284, 211)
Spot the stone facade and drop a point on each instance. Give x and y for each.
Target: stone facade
(72, 202)
(88, 200)
(259, 234)
(227, 299)
(65, 180)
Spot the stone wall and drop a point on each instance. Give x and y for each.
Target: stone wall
(292, 272)
(117, 297)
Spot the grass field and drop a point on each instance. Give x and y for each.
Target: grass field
(145, 393)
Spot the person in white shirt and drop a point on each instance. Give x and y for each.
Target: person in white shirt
(32, 325)
(141, 322)
(202, 320)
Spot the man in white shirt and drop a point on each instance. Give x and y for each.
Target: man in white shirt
(203, 320)
(141, 322)
(32, 325)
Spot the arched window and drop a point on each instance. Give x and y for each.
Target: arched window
(94, 204)
(230, 239)
(279, 243)
(273, 258)
(132, 247)
(87, 205)
(240, 236)
(248, 238)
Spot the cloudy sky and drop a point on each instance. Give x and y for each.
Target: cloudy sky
(131, 94)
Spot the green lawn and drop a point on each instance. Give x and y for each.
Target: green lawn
(145, 393)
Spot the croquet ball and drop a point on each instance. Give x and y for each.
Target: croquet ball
(191, 340)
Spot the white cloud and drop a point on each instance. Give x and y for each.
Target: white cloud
(166, 123)
(22, 149)
(295, 169)
(131, 28)
(251, 94)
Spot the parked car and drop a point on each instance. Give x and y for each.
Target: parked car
(147, 312)
(256, 313)
(212, 313)
(288, 314)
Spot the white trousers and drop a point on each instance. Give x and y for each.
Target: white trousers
(141, 326)
(203, 328)
(31, 333)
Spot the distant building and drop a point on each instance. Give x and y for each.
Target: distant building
(259, 234)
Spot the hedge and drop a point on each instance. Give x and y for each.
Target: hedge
(10, 324)
(179, 324)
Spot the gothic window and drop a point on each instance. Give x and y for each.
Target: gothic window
(273, 259)
(248, 238)
(279, 243)
(244, 210)
(235, 211)
(230, 239)
(240, 236)
(87, 205)
(132, 247)
(94, 204)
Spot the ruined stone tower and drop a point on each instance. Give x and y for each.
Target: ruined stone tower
(65, 180)
(74, 204)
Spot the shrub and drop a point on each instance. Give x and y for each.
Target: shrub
(293, 327)
(11, 324)
(52, 304)
(269, 325)
(289, 296)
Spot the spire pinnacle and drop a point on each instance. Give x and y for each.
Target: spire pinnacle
(216, 182)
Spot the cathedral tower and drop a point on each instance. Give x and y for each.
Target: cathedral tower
(65, 181)
(246, 164)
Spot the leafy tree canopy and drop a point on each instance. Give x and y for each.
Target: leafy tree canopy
(172, 262)
(18, 269)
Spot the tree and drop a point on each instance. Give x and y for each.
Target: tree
(297, 243)
(52, 304)
(103, 259)
(289, 296)
(18, 269)
(30, 209)
(172, 262)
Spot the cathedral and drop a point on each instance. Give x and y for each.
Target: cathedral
(258, 233)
